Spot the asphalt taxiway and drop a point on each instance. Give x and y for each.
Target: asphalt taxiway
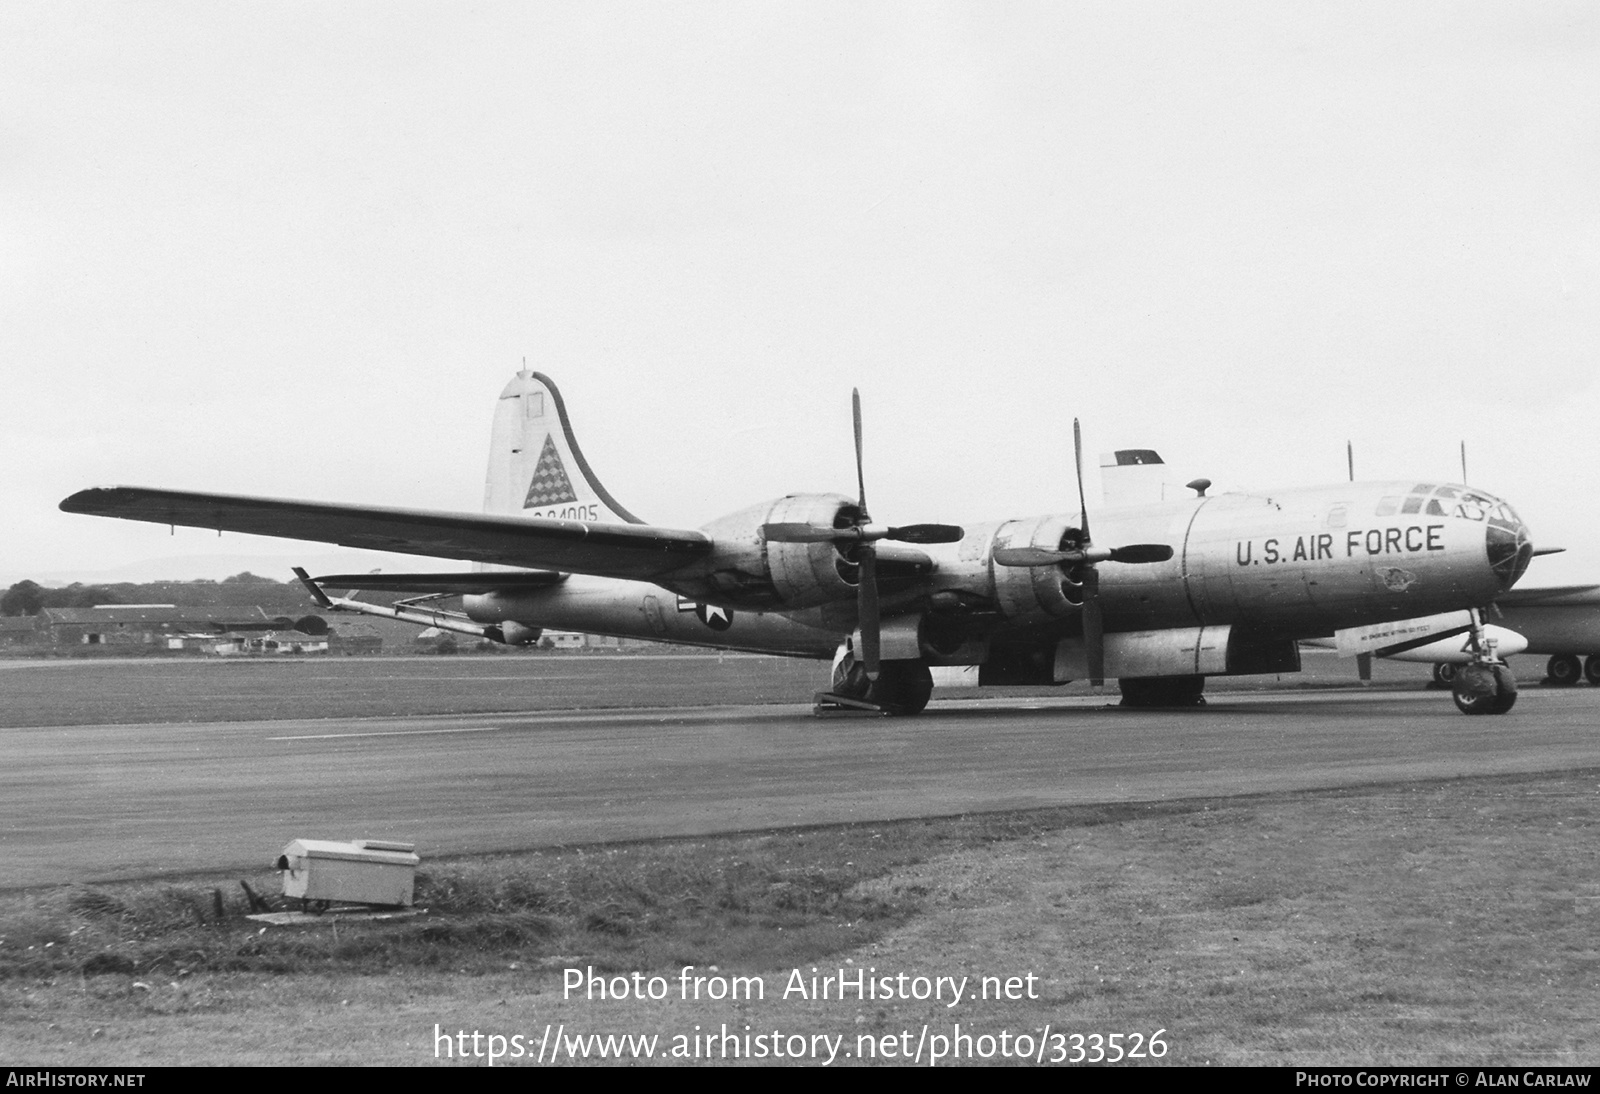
(96, 802)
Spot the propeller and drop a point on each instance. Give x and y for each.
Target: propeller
(1039, 556)
(1085, 555)
(907, 533)
(1094, 620)
(857, 538)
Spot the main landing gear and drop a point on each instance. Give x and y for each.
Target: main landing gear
(1566, 669)
(1484, 685)
(902, 687)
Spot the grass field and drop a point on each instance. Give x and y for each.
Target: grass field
(1441, 923)
(85, 692)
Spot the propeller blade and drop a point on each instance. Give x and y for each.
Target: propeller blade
(1094, 636)
(1040, 556)
(861, 478)
(867, 608)
(802, 533)
(1141, 552)
(1077, 459)
(928, 533)
(1031, 556)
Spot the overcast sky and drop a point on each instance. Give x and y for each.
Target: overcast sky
(298, 249)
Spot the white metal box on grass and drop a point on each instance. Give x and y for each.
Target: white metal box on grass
(356, 872)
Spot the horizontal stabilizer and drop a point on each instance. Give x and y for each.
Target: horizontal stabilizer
(476, 582)
(417, 612)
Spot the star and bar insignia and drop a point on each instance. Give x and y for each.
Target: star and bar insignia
(718, 619)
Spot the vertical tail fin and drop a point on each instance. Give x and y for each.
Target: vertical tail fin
(1136, 476)
(535, 466)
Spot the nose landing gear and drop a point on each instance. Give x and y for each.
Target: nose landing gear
(1484, 685)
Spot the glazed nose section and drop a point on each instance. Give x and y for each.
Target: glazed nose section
(1509, 548)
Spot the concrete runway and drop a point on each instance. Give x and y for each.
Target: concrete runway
(85, 803)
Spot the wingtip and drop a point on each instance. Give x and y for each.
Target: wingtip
(82, 501)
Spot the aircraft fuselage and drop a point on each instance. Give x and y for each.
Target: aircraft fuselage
(1291, 563)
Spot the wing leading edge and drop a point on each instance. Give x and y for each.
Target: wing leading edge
(636, 551)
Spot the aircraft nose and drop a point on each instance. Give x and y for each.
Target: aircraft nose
(1509, 548)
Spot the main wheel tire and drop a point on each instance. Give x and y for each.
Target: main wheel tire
(902, 687)
(1563, 671)
(1444, 674)
(1505, 689)
(1591, 669)
(1484, 689)
(1163, 691)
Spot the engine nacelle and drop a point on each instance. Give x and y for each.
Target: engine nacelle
(929, 638)
(1040, 592)
(514, 634)
(745, 570)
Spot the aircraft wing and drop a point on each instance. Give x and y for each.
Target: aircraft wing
(637, 551)
(1552, 595)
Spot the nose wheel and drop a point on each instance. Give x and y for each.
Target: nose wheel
(1484, 685)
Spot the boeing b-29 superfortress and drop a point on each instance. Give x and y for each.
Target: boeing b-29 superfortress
(1161, 595)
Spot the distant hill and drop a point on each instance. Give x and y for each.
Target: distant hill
(245, 590)
(219, 566)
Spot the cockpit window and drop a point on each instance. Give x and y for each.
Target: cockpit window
(1479, 507)
(1337, 517)
(1422, 488)
(1388, 506)
(1494, 510)
(1468, 505)
(1412, 504)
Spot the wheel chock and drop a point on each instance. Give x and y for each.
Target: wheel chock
(825, 704)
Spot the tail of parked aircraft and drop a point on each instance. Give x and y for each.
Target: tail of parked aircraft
(1136, 476)
(535, 466)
